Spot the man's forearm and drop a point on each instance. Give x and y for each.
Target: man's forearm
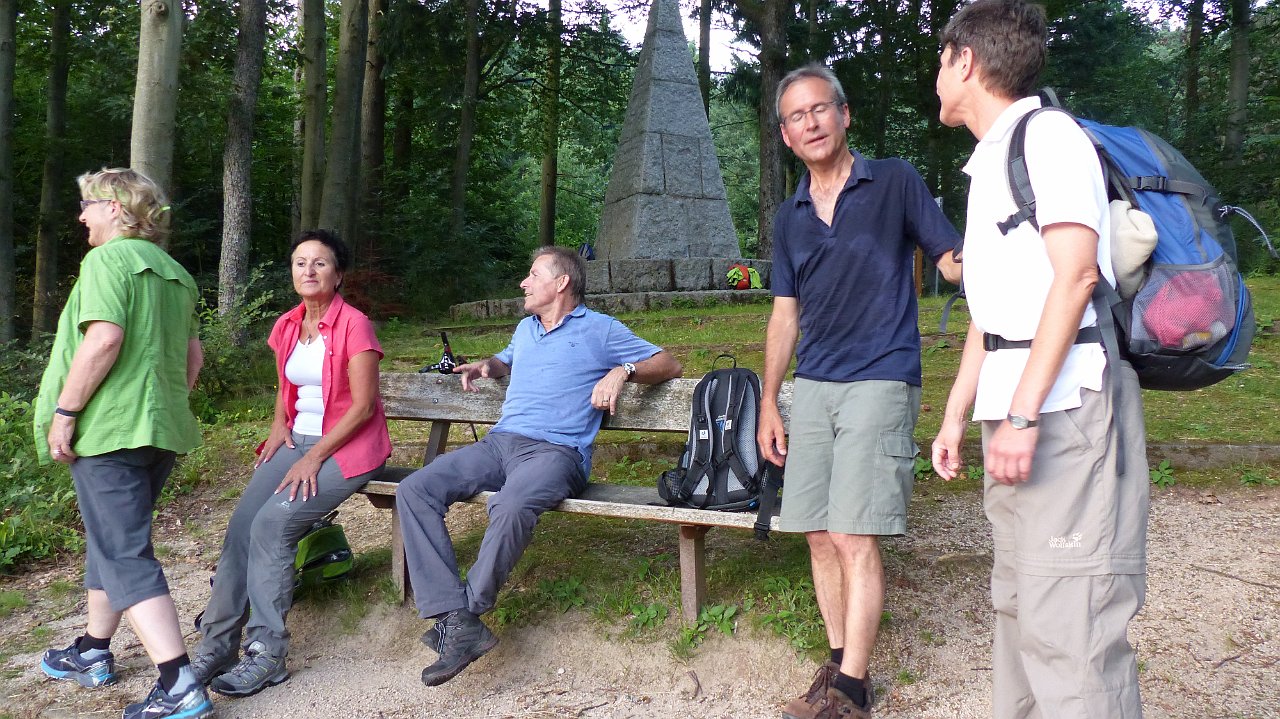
(779, 347)
(658, 368)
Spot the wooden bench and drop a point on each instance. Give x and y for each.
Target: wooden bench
(439, 399)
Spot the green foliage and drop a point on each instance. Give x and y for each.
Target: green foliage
(647, 616)
(11, 600)
(718, 616)
(1162, 474)
(235, 368)
(791, 610)
(1257, 477)
(564, 594)
(39, 515)
(21, 366)
(921, 467)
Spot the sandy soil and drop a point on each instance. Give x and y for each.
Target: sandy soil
(1208, 639)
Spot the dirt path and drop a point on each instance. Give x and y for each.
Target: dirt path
(1208, 639)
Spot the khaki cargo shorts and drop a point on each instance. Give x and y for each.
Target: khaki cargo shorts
(850, 457)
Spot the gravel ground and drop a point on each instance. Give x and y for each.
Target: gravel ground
(1208, 638)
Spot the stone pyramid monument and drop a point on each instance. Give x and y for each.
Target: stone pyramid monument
(666, 197)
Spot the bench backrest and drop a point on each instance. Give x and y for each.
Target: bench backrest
(428, 397)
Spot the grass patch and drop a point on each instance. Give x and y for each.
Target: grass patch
(11, 600)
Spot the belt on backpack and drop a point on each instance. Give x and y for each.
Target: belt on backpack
(991, 343)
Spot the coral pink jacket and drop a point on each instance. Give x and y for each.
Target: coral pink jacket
(346, 332)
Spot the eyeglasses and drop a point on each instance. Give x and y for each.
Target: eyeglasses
(85, 204)
(818, 111)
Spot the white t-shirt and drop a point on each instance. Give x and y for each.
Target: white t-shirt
(1007, 277)
(303, 369)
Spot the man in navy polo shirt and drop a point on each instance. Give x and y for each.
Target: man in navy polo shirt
(567, 366)
(843, 289)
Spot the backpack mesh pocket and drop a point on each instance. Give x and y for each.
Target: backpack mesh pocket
(1184, 308)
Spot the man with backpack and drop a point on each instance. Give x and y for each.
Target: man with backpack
(843, 289)
(568, 366)
(1062, 426)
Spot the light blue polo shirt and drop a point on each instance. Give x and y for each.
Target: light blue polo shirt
(553, 373)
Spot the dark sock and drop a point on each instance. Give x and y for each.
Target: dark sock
(837, 655)
(88, 642)
(855, 689)
(169, 671)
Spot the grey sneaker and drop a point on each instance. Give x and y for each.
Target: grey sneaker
(194, 704)
(255, 672)
(69, 663)
(208, 666)
(463, 639)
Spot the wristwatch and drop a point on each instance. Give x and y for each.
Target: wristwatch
(1020, 422)
(630, 368)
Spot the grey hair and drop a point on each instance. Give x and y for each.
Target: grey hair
(814, 71)
(566, 262)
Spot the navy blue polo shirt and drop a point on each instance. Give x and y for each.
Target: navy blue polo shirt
(854, 280)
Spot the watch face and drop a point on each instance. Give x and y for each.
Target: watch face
(1020, 422)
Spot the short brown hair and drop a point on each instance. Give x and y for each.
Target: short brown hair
(1007, 38)
(143, 205)
(566, 262)
(812, 71)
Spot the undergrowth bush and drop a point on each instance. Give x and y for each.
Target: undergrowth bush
(22, 364)
(237, 361)
(39, 515)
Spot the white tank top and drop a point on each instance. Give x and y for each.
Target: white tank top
(303, 369)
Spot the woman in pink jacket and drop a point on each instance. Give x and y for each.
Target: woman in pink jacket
(328, 438)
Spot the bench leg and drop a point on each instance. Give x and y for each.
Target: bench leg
(399, 574)
(693, 575)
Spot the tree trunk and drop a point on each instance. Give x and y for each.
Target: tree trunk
(44, 316)
(467, 122)
(8, 57)
(773, 60)
(402, 136)
(1195, 37)
(315, 99)
(550, 129)
(373, 125)
(1238, 94)
(155, 96)
(704, 55)
(338, 207)
(237, 161)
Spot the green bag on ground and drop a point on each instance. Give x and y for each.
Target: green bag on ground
(323, 553)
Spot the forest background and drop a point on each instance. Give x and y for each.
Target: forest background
(445, 139)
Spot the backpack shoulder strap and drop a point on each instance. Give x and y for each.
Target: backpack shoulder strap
(741, 381)
(701, 427)
(1019, 177)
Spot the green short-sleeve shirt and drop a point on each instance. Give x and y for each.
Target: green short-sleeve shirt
(143, 401)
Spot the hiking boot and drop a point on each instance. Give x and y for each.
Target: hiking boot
(431, 637)
(208, 666)
(463, 639)
(809, 704)
(70, 664)
(840, 706)
(194, 704)
(255, 672)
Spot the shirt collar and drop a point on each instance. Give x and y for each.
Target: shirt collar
(578, 311)
(860, 171)
(1004, 123)
(330, 315)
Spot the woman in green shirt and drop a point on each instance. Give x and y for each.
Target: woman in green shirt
(113, 405)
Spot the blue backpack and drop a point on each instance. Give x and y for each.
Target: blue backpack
(1186, 320)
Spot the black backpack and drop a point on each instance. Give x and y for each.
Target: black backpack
(722, 467)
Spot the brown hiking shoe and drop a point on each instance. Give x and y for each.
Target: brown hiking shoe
(840, 706)
(811, 704)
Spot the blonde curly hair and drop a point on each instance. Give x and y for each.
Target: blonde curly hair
(144, 207)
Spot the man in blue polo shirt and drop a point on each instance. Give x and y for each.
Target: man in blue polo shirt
(843, 288)
(567, 365)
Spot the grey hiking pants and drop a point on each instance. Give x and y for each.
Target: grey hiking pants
(530, 476)
(253, 585)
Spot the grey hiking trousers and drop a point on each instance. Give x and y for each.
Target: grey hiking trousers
(530, 476)
(253, 585)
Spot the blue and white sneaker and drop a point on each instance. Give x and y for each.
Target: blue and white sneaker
(194, 704)
(69, 663)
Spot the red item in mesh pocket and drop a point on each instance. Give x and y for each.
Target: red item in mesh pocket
(1185, 310)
